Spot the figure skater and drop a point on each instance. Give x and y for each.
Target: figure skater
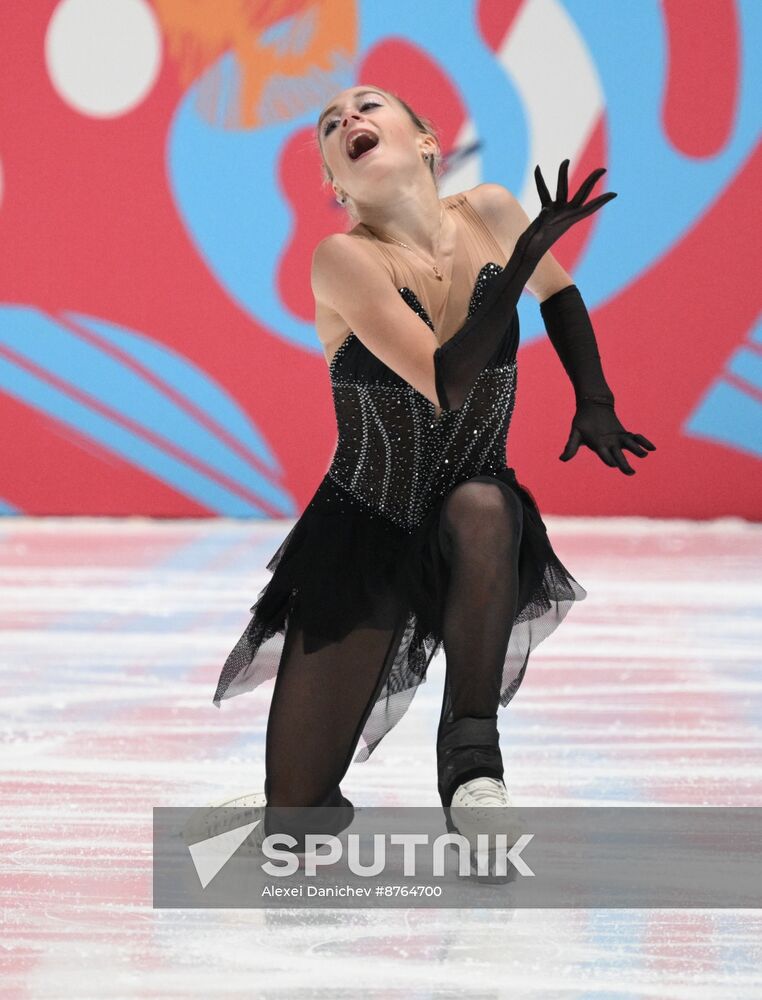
(419, 536)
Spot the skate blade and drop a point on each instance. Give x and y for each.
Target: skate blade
(212, 820)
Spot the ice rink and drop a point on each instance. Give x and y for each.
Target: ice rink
(114, 632)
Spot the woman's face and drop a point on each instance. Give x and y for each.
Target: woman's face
(399, 144)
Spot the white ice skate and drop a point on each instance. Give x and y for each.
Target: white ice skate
(214, 820)
(481, 806)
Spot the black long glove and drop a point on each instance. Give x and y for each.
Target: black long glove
(595, 423)
(462, 358)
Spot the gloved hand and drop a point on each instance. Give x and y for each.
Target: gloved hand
(462, 358)
(597, 425)
(557, 216)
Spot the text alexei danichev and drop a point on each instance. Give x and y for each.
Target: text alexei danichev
(316, 890)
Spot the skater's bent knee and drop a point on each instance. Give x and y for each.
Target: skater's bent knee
(482, 506)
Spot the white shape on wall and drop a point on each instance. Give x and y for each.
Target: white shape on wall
(103, 56)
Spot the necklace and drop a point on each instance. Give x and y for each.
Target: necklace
(433, 263)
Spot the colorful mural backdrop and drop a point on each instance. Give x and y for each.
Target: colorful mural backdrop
(161, 196)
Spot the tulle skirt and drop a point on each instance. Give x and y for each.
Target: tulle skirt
(338, 565)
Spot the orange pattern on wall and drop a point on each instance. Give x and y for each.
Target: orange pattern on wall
(301, 66)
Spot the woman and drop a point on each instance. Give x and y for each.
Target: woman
(419, 535)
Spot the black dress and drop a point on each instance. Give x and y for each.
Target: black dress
(367, 549)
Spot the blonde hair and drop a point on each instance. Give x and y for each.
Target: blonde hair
(422, 125)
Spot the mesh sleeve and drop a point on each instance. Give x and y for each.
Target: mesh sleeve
(461, 359)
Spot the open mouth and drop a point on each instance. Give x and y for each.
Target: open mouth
(360, 144)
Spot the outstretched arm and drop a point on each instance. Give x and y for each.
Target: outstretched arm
(462, 358)
(503, 214)
(595, 422)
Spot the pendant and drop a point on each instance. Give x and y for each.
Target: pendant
(437, 272)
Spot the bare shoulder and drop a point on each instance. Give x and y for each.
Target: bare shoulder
(325, 253)
(500, 210)
(329, 326)
(345, 275)
(334, 254)
(490, 195)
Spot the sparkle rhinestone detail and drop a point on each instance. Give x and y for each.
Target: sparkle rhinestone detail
(393, 455)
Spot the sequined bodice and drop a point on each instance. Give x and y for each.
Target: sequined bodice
(393, 454)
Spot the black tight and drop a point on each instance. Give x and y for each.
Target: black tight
(322, 699)
(320, 703)
(480, 533)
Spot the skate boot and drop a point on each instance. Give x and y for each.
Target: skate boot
(474, 796)
(334, 814)
(483, 806)
(332, 817)
(467, 748)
